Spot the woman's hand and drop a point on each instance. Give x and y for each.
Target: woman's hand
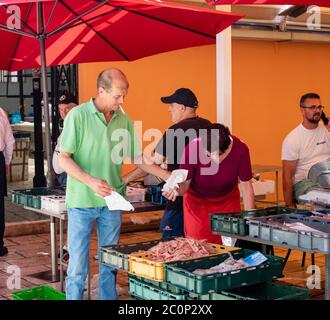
(170, 195)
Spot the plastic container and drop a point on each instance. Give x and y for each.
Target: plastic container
(236, 222)
(263, 291)
(147, 291)
(154, 194)
(261, 187)
(160, 285)
(39, 293)
(32, 197)
(262, 228)
(180, 273)
(54, 204)
(142, 266)
(135, 194)
(118, 255)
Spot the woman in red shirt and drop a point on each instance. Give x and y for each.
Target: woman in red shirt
(216, 163)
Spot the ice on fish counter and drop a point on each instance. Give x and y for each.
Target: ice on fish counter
(230, 264)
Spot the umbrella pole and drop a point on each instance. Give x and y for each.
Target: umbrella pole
(50, 175)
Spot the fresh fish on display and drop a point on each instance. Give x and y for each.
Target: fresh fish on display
(179, 249)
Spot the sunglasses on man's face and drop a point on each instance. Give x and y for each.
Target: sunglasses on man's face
(314, 107)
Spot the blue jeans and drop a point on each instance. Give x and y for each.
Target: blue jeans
(171, 224)
(80, 227)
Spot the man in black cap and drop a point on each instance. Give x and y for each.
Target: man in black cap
(65, 104)
(187, 125)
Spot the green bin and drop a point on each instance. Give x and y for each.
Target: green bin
(39, 293)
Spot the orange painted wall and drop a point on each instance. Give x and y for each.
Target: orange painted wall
(153, 77)
(268, 80)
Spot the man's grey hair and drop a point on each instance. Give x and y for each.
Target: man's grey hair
(105, 78)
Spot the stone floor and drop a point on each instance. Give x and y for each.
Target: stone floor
(31, 254)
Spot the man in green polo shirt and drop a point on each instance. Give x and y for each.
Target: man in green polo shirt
(96, 138)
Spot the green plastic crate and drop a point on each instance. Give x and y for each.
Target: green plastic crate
(263, 291)
(118, 255)
(265, 229)
(179, 273)
(39, 293)
(195, 296)
(236, 222)
(145, 291)
(160, 285)
(32, 197)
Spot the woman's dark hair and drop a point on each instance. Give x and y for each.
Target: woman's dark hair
(217, 138)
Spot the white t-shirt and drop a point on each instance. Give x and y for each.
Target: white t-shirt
(56, 157)
(308, 146)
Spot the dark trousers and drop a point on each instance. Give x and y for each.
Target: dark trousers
(171, 224)
(3, 193)
(2, 219)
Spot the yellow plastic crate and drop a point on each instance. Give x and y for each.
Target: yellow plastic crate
(141, 266)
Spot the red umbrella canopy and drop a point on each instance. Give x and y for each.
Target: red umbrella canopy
(321, 3)
(79, 31)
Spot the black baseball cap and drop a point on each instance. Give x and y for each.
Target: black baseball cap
(66, 99)
(182, 96)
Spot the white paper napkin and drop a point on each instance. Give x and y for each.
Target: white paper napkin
(117, 202)
(177, 176)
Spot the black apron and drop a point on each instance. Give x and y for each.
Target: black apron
(3, 180)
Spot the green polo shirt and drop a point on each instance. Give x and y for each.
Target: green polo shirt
(99, 148)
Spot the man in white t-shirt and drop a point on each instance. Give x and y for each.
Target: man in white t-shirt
(304, 146)
(65, 104)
